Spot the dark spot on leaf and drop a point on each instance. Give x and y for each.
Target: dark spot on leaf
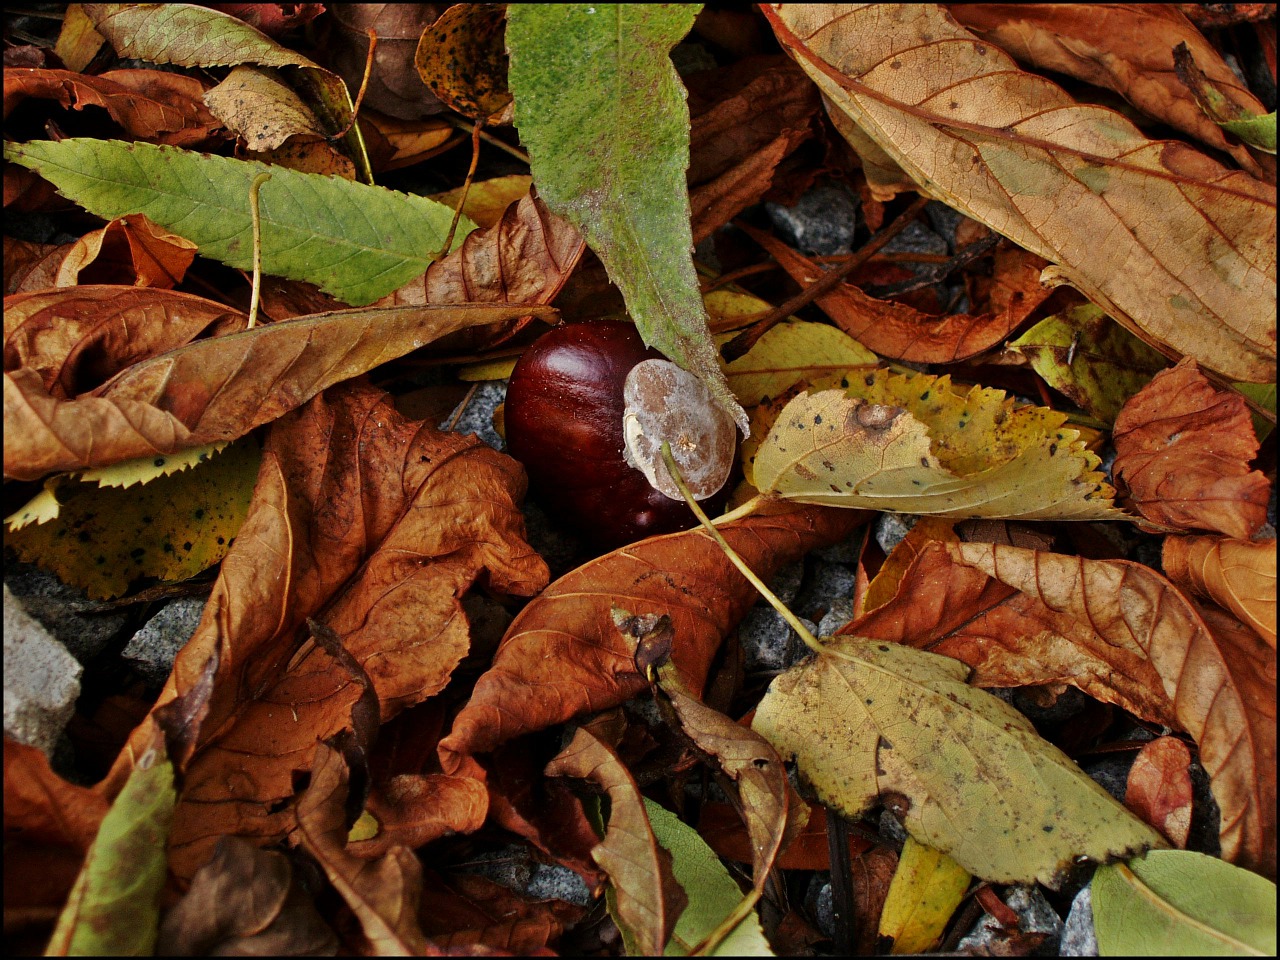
(199, 513)
(817, 419)
(137, 552)
(159, 461)
(187, 546)
(83, 536)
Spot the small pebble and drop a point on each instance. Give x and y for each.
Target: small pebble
(41, 679)
(154, 647)
(892, 529)
(1035, 915)
(822, 224)
(1078, 936)
(477, 418)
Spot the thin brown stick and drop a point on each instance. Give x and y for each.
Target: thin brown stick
(466, 187)
(488, 138)
(744, 341)
(364, 86)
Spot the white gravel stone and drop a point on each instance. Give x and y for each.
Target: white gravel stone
(41, 679)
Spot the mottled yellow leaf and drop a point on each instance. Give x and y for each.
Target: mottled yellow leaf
(924, 893)
(791, 352)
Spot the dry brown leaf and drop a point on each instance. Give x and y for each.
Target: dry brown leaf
(412, 810)
(1121, 633)
(1238, 575)
(255, 104)
(1164, 239)
(465, 911)
(1183, 448)
(215, 390)
(745, 119)
(384, 893)
(722, 828)
(649, 899)
(245, 902)
(563, 656)
(1123, 47)
(378, 524)
(78, 337)
(462, 59)
(130, 249)
(150, 105)
(394, 85)
(40, 806)
(1159, 788)
(30, 266)
(899, 331)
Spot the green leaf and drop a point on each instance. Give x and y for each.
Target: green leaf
(1175, 903)
(967, 774)
(1257, 130)
(712, 892)
(354, 241)
(603, 115)
(114, 907)
(1091, 359)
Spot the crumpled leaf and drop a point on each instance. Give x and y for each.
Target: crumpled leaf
(468, 910)
(1183, 450)
(114, 907)
(214, 390)
(1180, 903)
(104, 538)
(196, 36)
(355, 241)
(261, 108)
(1159, 788)
(562, 656)
(1123, 47)
(910, 444)
(965, 772)
(412, 810)
(394, 85)
(247, 902)
(926, 889)
(648, 898)
(461, 58)
(384, 893)
(1250, 124)
(378, 525)
(1237, 575)
(30, 266)
(611, 156)
(1014, 151)
(899, 331)
(1094, 362)
(791, 352)
(177, 116)
(273, 19)
(1121, 633)
(130, 249)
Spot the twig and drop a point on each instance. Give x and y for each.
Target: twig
(744, 341)
(841, 882)
(938, 272)
(488, 138)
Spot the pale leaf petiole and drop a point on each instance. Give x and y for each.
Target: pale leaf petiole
(254, 187)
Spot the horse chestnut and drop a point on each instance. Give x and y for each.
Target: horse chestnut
(587, 409)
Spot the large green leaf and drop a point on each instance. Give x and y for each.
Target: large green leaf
(114, 907)
(603, 115)
(354, 241)
(1175, 903)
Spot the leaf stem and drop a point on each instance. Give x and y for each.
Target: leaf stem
(801, 630)
(254, 187)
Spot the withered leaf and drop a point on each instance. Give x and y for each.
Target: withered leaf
(467, 911)
(562, 656)
(1237, 575)
(129, 249)
(412, 810)
(1183, 450)
(1159, 788)
(461, 58)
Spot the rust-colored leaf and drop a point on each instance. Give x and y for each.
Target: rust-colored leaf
(899, 331)
(649, 899)
(563, 656)
(465, 911)
(1183, 448)
(1237, 575)
(130, 249)
(1121, 633)
(413, 810)
(150, 105)
(384, 893)
(1125, 48)
(721, 826)
(30, 266)
(40, 806)
(1159, 788)
(379, 526)
(247, 902)
(215, 390)
(1076, 184)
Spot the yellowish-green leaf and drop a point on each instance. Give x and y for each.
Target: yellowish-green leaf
(366, 827)
(1176, 903)
(967, 774)
(729, 308)
(104, 537)
(791, 352)
(487, 200)
(911, 444)
(145, 469)
(487, 370)
(713, 894)
(1258, 130)
(924, 893)
(1085, 355)
(114, 907)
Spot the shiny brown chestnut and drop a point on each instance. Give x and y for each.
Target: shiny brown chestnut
(587, 408)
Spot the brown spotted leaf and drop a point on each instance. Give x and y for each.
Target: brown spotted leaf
(1183, 449)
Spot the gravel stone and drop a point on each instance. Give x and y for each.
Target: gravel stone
(550, 881)
(1111, 772)
(892, 529)
(767, 639)
(823, 223)
(822, 908)
(841, 612)
(1078, 936)
(786, 582)
(891, 829)
(41, 679)
(917, 238)
(1035, 915)
(944, 220)
(477, 418)
(826, 585)
(154, 647)
(53, 603)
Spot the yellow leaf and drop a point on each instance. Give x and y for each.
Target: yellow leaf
(912, 445)
(488, 200)
(791, 352)
(924, 893)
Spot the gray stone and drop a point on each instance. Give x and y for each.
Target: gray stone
(1111, 772)
(562, 550)
(550, 881)
(1035, 915)
(826, 585)
(41, 679)
(768, 642)
(477, 417)
(56, 606)
(840, 613)
(510, 866)
(917, 238)
(891, 829)
(786, 582)
(822, 909)
(1078, 936)
(848, 550)
(822, 223)
(892, 529)
(154, 647)
(944, 220)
